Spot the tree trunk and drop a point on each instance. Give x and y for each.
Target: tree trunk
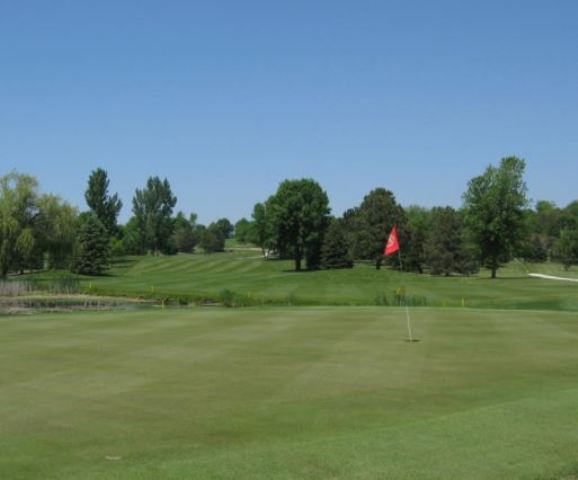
(494, 270)
(378, 262)
(298, 263)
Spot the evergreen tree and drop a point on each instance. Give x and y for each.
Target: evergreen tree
(92, 256)
(104, 206)
(335, 251)
(376, 216)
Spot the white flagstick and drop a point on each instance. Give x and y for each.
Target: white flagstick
(405, 301)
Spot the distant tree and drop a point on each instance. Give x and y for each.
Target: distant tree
(92, 256)
(104, 206)
(445, 249)
(18, 210)
(152, 209)
(243, 230)
(184, 237)
(418, 226)
(212, 239)
(335, 250)
(225, 226)
(567, 247)
(494, 206)
(569, 216)
(300, 215)
(262, 232)
(56, 227)
(376, 216)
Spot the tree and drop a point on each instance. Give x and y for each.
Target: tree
(225, 226)
(335, 250)
(375, 218)
(105, 207)
(92, 254)
(184, 237)
(152, 209)
(494, 206)
(445, 249)
(18, 210)
(567, 247)
(213, 239)
(300, 215)
(262, 228)
(418, 225)
(243, 230)
(56, 227)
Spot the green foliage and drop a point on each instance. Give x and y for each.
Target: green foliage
(225, 226)
(418, 225)
(18, 207)
(335, 251)
(152, 210)
(445, 248)
(299, 214)
(494, 204)
(93, 249)
(184, 237)
(243, 231)
(104, 206)
(372, 223)
(212, 239)
(262, 231)
(567, 247)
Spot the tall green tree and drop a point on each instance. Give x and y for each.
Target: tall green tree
(93, 248)
(494, 205)
(106, 207)
(152, 209)
(243, 230)
(375, 218)
(335, 250)
(300, 216)
(445, 248)
(262, 232)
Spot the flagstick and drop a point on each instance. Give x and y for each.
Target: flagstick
(404, 300)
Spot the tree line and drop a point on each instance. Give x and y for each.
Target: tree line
(494, 225)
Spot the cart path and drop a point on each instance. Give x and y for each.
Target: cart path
(551, 277)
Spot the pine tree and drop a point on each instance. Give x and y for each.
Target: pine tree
(335, 251)
(93, 247)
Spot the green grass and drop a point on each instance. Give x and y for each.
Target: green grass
(245, 273)
(288, 393)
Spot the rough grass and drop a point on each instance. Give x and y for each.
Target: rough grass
(254, 281)
(278, 393)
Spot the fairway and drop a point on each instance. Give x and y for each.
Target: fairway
(245, 272)
(288, 393)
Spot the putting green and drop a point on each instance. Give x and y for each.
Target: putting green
(330, 393)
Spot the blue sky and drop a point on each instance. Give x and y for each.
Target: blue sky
(228, 98)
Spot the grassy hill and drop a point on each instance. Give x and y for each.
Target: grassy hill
(254, 280)
(288, 393)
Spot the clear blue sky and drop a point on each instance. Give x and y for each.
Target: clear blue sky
(228, 98)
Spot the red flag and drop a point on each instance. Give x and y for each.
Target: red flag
(392, 243)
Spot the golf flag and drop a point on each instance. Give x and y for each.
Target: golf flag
(392, 243)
